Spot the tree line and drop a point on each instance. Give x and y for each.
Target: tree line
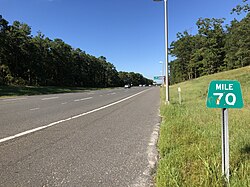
(213, 49)
(40, 61)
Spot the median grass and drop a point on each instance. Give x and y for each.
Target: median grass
(6, 91)
(190, 136)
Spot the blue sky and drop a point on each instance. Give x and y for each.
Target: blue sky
(129, 33)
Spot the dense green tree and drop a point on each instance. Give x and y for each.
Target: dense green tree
(134, 79)
(5, 74)
(212, 37)
(38, 60)
(182, 49)
(198, 55)
(17, 50)
(213, 49)
(237, 45)
(79, 69)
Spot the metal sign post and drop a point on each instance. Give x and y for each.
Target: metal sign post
(224, 94)
(225, 144)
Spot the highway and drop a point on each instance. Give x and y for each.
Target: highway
(91, 138)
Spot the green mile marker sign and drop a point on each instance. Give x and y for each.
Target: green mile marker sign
(224, 94)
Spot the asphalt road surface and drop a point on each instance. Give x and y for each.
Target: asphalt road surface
(92, 138)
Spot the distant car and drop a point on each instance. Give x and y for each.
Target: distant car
(127, 86)
(140, 85)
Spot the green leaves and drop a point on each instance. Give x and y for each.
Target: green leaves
(237, 46)
(133, 78)
(40, 61)
(213, 49)
(241, 8)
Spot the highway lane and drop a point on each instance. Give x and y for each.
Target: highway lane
(23, 113)
(107, 147)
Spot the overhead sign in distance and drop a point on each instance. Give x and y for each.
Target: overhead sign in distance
(224, 94)
(158, 77)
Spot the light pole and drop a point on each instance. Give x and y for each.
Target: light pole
(166, 47)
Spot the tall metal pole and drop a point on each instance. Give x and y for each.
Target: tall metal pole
(166, 50)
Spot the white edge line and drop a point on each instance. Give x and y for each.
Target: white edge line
(70, 118)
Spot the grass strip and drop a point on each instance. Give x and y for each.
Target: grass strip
(6, 91)
(190, 136)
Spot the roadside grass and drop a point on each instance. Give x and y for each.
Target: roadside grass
(190, 136)
(6, 91)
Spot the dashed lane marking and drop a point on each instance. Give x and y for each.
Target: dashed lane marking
(49, 98)
(15, 99)
(32, 109)
(83, 99)
(68, 119)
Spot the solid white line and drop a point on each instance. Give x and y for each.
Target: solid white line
(70, 118)
(49, 98)
(15, 99)
(83, 99)
(34, 109)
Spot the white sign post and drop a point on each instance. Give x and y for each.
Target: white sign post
(179, 91)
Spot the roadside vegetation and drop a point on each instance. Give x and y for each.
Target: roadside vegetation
(190, 136)
(215, 48)
(27, 60)
(6, 91)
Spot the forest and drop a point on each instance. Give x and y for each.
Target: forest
(215, 48)
(40, 61)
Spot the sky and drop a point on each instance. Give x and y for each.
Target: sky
(129, 33)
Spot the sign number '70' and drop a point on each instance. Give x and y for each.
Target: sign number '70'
(228, 101)
(224, 94)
